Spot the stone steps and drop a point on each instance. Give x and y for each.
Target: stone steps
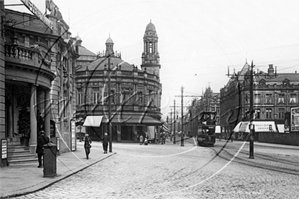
(17, 154)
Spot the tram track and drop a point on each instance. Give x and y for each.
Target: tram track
(272, 162)
(269, 163)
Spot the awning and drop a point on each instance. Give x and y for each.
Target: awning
(133, 119)
(241, 127)
(165, 128)
(93, 121)
(259, 126)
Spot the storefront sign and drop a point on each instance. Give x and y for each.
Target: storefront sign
(73, 136)
(57, 143)
(37, 13)
(295, 119)
(3, 149)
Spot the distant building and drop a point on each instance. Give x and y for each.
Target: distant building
(209, 101)
(274, 94)
(37, 60)
(135, 93)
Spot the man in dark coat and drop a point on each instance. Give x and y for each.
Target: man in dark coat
(87, 145)
(105, 142)
(42, 140)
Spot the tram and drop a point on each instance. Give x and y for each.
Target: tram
(206, 128)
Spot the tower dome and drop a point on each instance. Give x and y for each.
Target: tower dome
(109, 41)
(109, 46)
(150, 30)
(150, 27)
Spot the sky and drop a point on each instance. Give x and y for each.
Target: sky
(198, 40)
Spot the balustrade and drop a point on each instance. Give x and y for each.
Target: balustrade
(19, 52)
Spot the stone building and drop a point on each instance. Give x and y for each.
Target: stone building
(37, 64)
(135, 94)
(274, 94)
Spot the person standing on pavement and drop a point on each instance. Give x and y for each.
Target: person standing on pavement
(42, 140)
(141, 139)
(87, 145)
(182, 138)
(105, 142)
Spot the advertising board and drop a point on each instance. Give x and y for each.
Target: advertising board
(295, 119)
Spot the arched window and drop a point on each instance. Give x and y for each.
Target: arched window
(150, 47)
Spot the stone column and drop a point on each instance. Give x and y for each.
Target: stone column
(33, 119)
(2, 77)
(118, 133)
(10, 121)
(47, 112)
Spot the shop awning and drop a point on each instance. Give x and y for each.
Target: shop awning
(133, 119)
(165, 128)
(259, 126)
(93, 121)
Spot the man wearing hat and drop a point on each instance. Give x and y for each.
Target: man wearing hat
(42, 140)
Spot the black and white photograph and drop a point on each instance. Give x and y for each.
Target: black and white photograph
(149, 99)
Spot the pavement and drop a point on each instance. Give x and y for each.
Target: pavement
(21, 179)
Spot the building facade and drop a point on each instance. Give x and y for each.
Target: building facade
(209, 101)
(135, 94)
(37, 64)
(274, 94)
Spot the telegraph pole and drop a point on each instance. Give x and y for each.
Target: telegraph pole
(251, 126)
(182, 136)
(171, 124)
(109, 106)
(174, 140)
(182, 139)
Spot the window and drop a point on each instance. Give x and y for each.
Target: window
(95, 98)
(280, 98)
(268, 113)
(247, 100)
(140, 98)
(79, 99)
(256, 98)
(293, 98)
(268, 98)
(150, 47)
(257, 114)
(112, 95)
(281, 113)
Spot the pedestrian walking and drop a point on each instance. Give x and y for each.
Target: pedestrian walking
(162, 137)
(141, 139)
(105, 142)
(42, 140)
(182, 138)
(87, 145)
(146, 139)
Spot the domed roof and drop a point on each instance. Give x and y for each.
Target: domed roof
(150, 27)
(100, 64)
(109, 41)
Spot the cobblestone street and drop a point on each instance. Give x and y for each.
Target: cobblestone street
(171, 171)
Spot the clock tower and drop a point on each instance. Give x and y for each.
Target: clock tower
(150, 56)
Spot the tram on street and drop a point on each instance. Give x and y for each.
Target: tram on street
(206, 128)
